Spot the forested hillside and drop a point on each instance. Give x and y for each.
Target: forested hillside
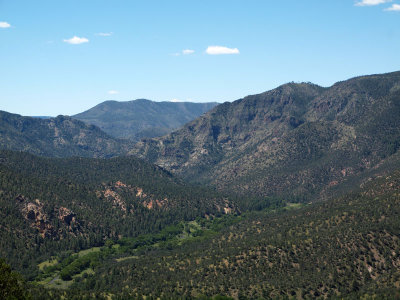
(142, 118)
(347, 248)
(298, 140)
(57, 137)
(48, 206)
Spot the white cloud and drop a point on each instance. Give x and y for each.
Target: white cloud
(76, 40)
(371, 2)
(216, 50)
(113, 92)
(394, 7)
(187, 51)
(5, 25)
(175, 100)
(183, 52)
(104, 34)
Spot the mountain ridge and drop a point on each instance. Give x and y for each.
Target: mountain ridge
(301, 137)
(142, 118)
(57, 137)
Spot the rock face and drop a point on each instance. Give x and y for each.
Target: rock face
(115, 199)
(128, 198)
(66, 215)
(34, 213)
(114, 194)
(295, 139)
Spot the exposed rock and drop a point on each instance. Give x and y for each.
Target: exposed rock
(112, 193)
(139, 192)
(66, 215)
(150, 204)
(120, 184)
(115, 198)
(285, 142)
(33, 212)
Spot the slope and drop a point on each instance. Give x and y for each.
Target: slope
(347, 248)
(142, 118)
(58, 137)
(51, 205)
(299, 140)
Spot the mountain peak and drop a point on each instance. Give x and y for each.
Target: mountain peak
(287, 138)
(141, 118)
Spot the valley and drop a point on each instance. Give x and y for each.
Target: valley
(199, 150)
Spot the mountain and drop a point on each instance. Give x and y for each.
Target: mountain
(142, 118)
(57, 137)
(346, 248)
(49, 206)
(299, 141)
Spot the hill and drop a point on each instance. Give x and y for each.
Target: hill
(57, 137)
(142, 118)
(299, 141)
(49, 206)
(347, 248)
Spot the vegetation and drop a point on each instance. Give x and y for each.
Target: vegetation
(12, 285)
(142, 118)
(298, 141)
(48, 206)
(57, 137)
(345, 248)
(310, 208)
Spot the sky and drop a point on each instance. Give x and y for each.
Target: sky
(64, 57)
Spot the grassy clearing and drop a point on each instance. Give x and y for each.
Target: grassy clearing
(294, 205)
(126, 258)
(55, 283)
(60, 274)
(47, 263)
(87, 251)
(88, 271)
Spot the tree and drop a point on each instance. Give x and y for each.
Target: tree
(12, 286)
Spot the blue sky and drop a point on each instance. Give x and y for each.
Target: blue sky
(63, 57)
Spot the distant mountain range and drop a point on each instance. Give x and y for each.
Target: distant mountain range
(142, 118)
(57, 137)
(296, 141)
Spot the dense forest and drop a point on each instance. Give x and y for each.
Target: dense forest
(345, 248)
(50, 205)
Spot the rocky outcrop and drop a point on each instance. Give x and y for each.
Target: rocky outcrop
(113, 194)
(115, 198)
(66, 215)
(34, 213)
